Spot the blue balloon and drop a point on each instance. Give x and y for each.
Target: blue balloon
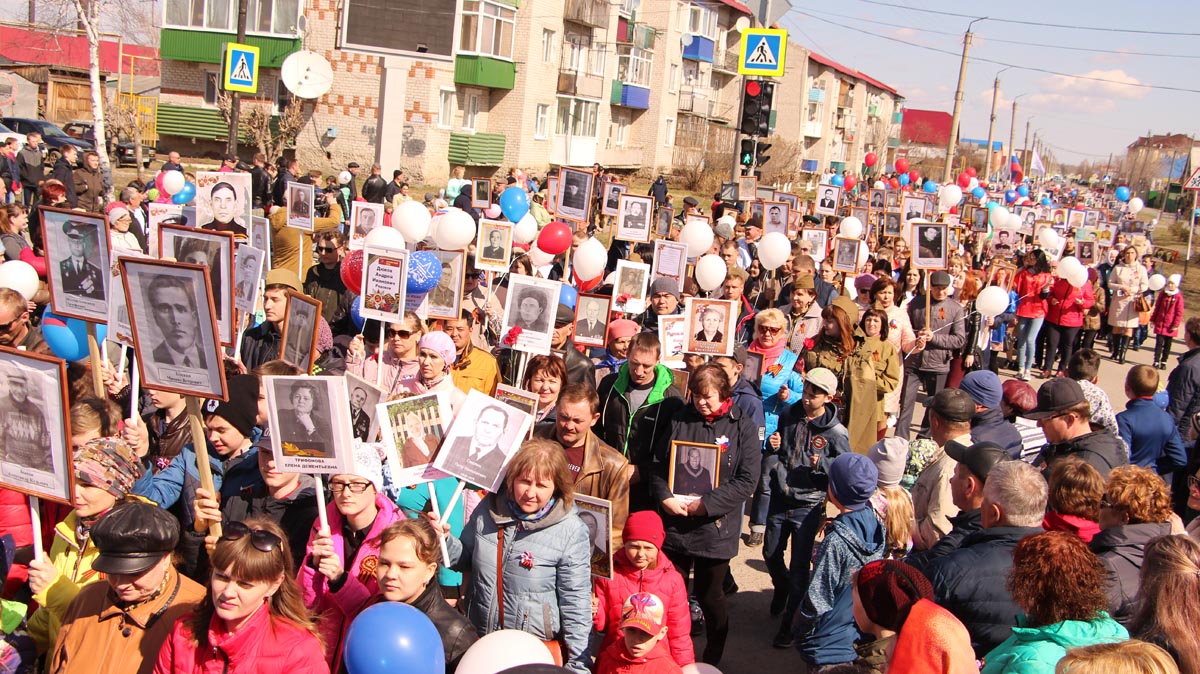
(67, 337)
(514, 203)
(1010, 196)
(424, 272)
(991, 205)
(930, 187)
(184, 195)
(1023, 190)
(904, 179)
(568, 295)
(1046, 201)
(1122, 193)
(979, 193)
(356, 313)
(392, 637)
(837, 179)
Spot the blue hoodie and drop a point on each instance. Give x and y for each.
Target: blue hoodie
(853, 539)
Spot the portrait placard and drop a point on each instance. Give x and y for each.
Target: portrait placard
(596, 514)
(914, 209)
(775, 217)
(1002, 274)
(828, 198)
(633, 223)
(877, 200)
(481, 440)
(632, 284)
(552, 195)
(248, 263)
(481, 193)
(672, 339)
(665, 215)
(364, 217)
(174, 325)
(929, 245)
(612, 199)
(77, 263)
(35, 447)
(531, 306)
(412, 430)
(747, 188)
(224, 202)
(300, 199)
(694, 469)
(1086, 252)
(1004, 241)
(159, 214)
(213, 250)
(385, 273)
(310, 424)
(493, 248)
(819, 238)
(845, 254)
(711, 324)
(119, 329)
(670, 261)
(445, 300)
(764, 193)
(792, 200)
(519, 399)
(364, 396)
(979, 220)
(752, 371)
(260, 235)
(591, 320)
(574, 194)
(893, 223)
(300, 324)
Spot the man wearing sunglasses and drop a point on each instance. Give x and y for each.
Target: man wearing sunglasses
(1064, 415)
(15, 329)
(324, 282)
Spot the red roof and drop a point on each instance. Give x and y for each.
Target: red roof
(830, 63)
(738, 6)
(926, 127)
(26, 46)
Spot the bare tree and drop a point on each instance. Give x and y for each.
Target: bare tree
(122, 119)
(256, 120)
(89, 21)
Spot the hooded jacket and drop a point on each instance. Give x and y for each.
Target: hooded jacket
(1067, 305)
(262, 644)
(616, 660)
(1168, 314)
(1152, 437)
(1037, 650)
(31, 165)
(794, 478)
(89, 186)
(1085, 529)
(635, 433)
(1122, 549)
(64, 172)
(852, 539)
(664, 582)
(1101, 449)
(990, 426)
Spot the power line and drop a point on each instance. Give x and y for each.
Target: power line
(1002, 63)
(1038, 23)
(1063, 149)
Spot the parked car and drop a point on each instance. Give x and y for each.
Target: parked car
(54, 137)
(6, 133)
(121, 150)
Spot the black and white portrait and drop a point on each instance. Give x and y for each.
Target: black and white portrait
(711, 324)
(612, 198)
(531, 305)
(174, 327)
(596, 514)
(979, 221)
(1086, 252)
(445, 300)
(223, 202)
(929, 245)
(914, 208)
(214, 250)
(747, 188)
(158, 215)
(634, 221)
(828, 199)
(892, 199)
(819, 238)
(260, 235)
(694, 469)
(878, 199)
(364, 217)
(481, 193)
(845, 254)
(1004, 241)
(363, 397)
(552, 194)
(591, 320)
(310, 424)
(493, 250)
(300, 199)
(892, 223)
(484, 436)
(665, 215)
(300, 325)
(34, 443)
(775, 217)
(764, 193)
(247, 270)
(412, 430)
(574, 194)
(632, 284)
(756, 210)
(77, 251)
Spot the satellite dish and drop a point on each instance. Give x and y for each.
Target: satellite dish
(741, 24)
(686, 40)
(302, 25)
(306, 74)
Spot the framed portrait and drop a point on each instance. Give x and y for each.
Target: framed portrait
(966, 216)
(979, 220)
(384, 279)
(828, 199)
(1085, 234)
(1058, 217)
(1028, 219)
(792, 200)
(224, 202)
(591, 320)
(612, 198)
(412, 430)
(633, 223)
(214, 250)
(300, 199)
(171, 214)
(860, 197)
(753, 370)
(531, 306)
(1004, 242)
(845, 254)
(484, 436)
(862, 213)
(493, 248)
(298, 345)
(711, 324)
(310, 424)
(363, 398)
(481, 193)
(1091, 218)
(174, 323)
(893, 224)
(260, 235)
(664, 217)
(819, 238)
(680, 377)
(248, 263)
(1002, 274)
(729, 192)
(1086, 252)
(878, 200)
(672, 338)
(1055, 251)
(119, 329)
(35, 448)
(747, 188)
(1106, 233)
(914, 208)
(756, 209)
(574, 194)
(929, 245)
(552, 194)
(694, 469)
(670, 261)
(891, 199)
(364, 217)
(632, 284)
(518, 399)
(764, 193)
(1076, 218)
(596, 514)
(445, 300)
(775, 217)
(77, 263)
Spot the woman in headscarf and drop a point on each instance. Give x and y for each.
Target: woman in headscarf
(436, 354)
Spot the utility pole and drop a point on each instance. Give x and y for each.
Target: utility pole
(235, 99)
(987, 164)
(952, 142)
(1025, 150)
(1012, 134)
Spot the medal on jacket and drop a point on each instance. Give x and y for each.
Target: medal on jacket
(526, 560)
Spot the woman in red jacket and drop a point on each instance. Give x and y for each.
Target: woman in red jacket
(253, 620)
(1031, 282)
(1065, 309)
(1166, 319)
(640, 566)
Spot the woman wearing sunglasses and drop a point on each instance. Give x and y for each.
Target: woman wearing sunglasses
(397, 355)
(253, 619)
(340, 565)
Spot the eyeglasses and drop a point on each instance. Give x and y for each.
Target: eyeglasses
(354, 487)
(769, 329)
(326, 249)
(403, 334)
(263, 541)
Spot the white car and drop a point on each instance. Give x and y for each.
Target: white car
(6, 133)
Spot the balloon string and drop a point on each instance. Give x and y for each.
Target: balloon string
(966, 316)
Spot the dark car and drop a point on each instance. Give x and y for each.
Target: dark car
(121, 150)
(54, 137)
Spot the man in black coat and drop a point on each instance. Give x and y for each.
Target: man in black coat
(966, 491)
(352, 169)
(375, 187)
(291, 169)
(260, 183)
(64, 172)
(1064, 415)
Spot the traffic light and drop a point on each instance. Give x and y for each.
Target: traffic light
(760, 157)
(746, 157)
(757, 97)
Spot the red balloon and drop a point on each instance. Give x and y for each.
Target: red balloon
(901, 165)
(870, 159)
(894, 182)
(555, 238)
(850, 182)
(914, 177)
(971, 172)
(352, 268)
(964, 180)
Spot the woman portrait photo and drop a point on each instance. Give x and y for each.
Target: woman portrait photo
(532, 310)
(304, 427)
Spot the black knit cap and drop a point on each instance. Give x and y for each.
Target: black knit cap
(241, 410)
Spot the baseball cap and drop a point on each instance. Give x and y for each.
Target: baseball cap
(1055, 396)
(823, 378)
(978, 458)
(939, 278)
(133, 537)
(643, 611)
(953, 404)
(352, 164)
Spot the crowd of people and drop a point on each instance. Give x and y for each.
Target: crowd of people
(1006, 529)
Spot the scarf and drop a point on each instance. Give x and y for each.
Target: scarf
(721, 411)
(522, 516)
(770, 354)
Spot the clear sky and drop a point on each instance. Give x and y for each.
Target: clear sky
(1081, 119)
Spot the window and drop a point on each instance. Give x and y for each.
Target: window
(470, 112)
(283, 97)
(691, 73)
(619, 127)
(210, 90)
(211, 14)
(547, 46)
(633, 65)
(445, 108)
(673, 80)
(541, 124)
(814, 112)
(577, 117)
(702, 21)
(669, 133)
(487, 29)
(628, 7)
(272, 16)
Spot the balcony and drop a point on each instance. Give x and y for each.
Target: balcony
(592, 13)
(699, 48)
(476, 149)
(721, 112)
(694, 100)
(484, 71)
(575, 83)
(624, 157)
(726, 61)
(812, 129)
(204, 46)
(629, 96)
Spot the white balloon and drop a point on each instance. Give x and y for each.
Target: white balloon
(1079, 278)
(698, 236)
(992, 301)
(999, 217)
(851, 228)
(504, 649)
(344, 178)
(728, 220)
(879, 185)
(1014, 220)
(173, 181)
(590, 259)
(384, 236)
(1047, 237)
(455, 230)
(412, 219)
(1068, 266)
(21, 277)
(710, 271)
(526, 229)
(1157, 281)
(949, 195)
(973, 184)
(864, 252)
(539, 257)
(774, 248)
(1136, 204)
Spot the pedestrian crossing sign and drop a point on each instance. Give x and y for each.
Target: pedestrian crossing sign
(1193, 183)
(240, 68)
(763, 52)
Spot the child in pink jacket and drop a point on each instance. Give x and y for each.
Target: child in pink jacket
(1166, 319)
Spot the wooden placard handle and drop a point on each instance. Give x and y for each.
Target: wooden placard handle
(200, 444)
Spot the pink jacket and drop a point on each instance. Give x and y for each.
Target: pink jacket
(1168, 314)
(1067, 305)
(335, 610)
(262, 644)
(663, 581)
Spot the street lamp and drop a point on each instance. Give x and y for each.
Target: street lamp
(1012, 129)
(987, 166)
